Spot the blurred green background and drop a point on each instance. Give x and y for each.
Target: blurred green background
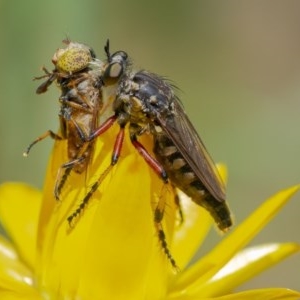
(237, 65)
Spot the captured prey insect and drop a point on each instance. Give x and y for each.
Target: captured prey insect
(146, 103)
(80, 105)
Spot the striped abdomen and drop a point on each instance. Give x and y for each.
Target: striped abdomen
(183, 177)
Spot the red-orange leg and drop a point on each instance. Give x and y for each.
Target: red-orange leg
(152, 162)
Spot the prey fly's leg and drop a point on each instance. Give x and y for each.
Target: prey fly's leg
(160, 208)
(61, 179)
(68, 166)
(40, 138)
(44, 86)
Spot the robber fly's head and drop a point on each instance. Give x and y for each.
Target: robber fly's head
(75, 57)
(115, 68)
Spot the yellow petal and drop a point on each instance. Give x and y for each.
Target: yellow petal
(210, 264)
(14, 275)
(244, 266)
(113, 250)
(19, 208)
(126, 254)
(11, 295)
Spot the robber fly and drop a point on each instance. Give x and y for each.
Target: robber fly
(146, 103)
(80, 105)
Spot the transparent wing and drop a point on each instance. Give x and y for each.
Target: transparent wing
(186, 139)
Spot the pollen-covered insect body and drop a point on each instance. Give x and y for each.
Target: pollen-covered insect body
(78, 75)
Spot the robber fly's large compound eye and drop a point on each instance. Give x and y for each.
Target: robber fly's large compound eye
(115, 68)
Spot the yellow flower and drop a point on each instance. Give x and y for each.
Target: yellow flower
(111, 250)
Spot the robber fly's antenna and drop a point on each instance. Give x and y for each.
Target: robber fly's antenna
(106, 49)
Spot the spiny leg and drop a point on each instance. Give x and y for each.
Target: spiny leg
(160, 208)
(163, 241)
(87, 197)
(40, 138)
(158, 217)
(61, 179)
(115, 155)
(177, 203)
